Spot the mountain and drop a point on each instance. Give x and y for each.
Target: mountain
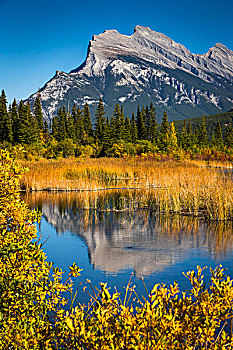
(146, 66)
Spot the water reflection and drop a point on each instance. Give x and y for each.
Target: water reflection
(139, 240)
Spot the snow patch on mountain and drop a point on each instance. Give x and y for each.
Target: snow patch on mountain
(145, 66)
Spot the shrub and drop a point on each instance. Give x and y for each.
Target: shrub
(32, 314)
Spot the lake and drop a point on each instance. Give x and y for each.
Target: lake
(110, 246)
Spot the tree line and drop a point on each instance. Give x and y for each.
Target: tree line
(73, 133)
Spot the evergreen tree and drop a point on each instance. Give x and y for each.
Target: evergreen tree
(152, 126)
(37, 109)
(22, 125)
(56, 128)
(172, 143)
(140, 121)
(134, 130)
(115, 123)
(46, 131)
(100, 120)
(147, 121)
(70, 127)
(190, 136)
(106, 139)
(79, 126)
(228, 136)
(164, 131)
(87, 121)
(60, 124)
(15, 121)
(183, 137)
(3, 116)
(217, 139)
(27, 127)
(5, 120)
(121, 125)
(202, 134)
(127, 130)
(32, 125)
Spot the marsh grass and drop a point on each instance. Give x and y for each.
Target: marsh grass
(120, 184)
(217, 235)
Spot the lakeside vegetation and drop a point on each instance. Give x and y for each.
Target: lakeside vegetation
(35, 315)
(217, 235)
(72, 133)
(132, 184)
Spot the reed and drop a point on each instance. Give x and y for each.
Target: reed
(120, 184)
(217, 235)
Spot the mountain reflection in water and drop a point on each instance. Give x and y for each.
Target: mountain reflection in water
(139, 240)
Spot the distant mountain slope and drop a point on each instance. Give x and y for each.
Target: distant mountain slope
(146, 66)
(211, 121)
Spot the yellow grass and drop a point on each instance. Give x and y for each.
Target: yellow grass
(183, 188)
(217, 235)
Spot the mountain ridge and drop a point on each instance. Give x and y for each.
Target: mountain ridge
(143, 67)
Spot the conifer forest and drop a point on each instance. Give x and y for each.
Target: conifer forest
(73, 134)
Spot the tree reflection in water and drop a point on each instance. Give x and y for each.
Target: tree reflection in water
(137, 239)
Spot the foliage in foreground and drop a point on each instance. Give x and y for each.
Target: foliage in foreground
(32, 314)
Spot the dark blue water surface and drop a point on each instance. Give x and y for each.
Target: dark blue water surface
(110, 246)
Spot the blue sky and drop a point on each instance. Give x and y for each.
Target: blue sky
(39, 37)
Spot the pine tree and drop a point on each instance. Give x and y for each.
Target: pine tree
(115, 123)
(55, 128)
(27, 127)
(121, 125)
(153, 126)
(46, 131)
(183, 136)
(190, 137)
(70, 127)
(140, 121)
(172, 143)
(9, 131)
(147, 121)
(87, 121)
(228, 136)
(37, 109)
(22, 125)
(5, 120)
(217, 139)
(134, 130)
(164, 131)
(127, 130)
(32, 125)
(202, 134)
(79, 126)
(100, 120)
(106, 139)
(60, 124)
(15, 121)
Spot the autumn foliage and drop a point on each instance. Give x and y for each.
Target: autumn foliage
(35, 315)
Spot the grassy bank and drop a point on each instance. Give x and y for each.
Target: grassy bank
(167, 187)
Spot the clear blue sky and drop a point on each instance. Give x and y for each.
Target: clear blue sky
(39, 37)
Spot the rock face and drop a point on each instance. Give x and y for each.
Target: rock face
(146, 66)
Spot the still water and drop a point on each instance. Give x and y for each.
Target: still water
(109, 246)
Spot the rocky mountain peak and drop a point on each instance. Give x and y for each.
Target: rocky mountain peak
(143, 67)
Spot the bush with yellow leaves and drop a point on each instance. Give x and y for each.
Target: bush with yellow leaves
(32, 313)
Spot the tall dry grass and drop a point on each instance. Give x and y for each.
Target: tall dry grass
(166, 187)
